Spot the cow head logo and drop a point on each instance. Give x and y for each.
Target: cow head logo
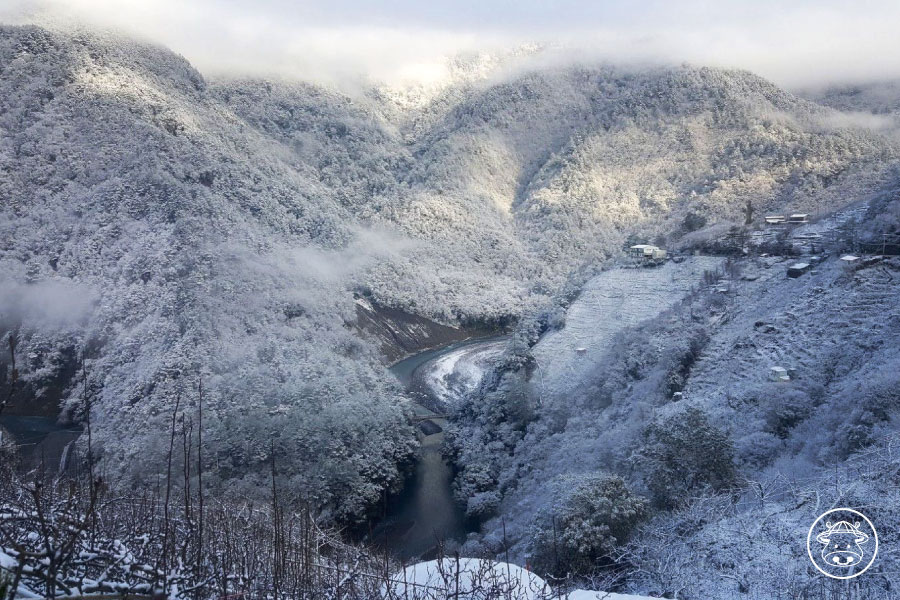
(847, 543)
(842, 543)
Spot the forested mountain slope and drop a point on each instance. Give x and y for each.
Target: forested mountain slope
(683, 408)
(877, 97)
(875, 105)
(175, 227)
(207, 252)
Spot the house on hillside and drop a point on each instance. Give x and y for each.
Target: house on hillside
(775, 219)
(798, 218)
(849, 260)
(798, 269)
(779, 374)
(648, 252)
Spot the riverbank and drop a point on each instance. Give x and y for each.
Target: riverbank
(425, 514)
(39, 439)
(436, 376)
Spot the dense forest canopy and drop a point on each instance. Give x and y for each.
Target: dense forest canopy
(169, 228)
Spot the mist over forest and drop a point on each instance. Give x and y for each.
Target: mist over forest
(226, 267)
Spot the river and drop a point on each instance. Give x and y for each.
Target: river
(41, 439)
(425, 513)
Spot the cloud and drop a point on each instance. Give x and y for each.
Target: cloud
(796, 44)
(329, 270)
(368, 247)
(860, 120)
(49, 305)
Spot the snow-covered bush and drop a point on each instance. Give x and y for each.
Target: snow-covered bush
(682, 358)
(588, 518)
(784, 408)
(692, 222)
(684, 455)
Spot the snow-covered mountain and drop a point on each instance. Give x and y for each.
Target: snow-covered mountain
(877, 97)
(171, 227)
(874, 105)
(671, 390)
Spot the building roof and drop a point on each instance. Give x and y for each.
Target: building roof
(849, 258)
(799, 215)
(799, 266)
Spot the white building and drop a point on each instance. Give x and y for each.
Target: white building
(779, 374)
(648, 252)
(848, 260)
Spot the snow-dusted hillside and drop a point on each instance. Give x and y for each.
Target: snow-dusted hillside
(683, 408)
(174, 227)
(147, 224)
(873, 103)
(563, 362)
(607, 304)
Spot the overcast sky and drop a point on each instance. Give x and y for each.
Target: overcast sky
(793, 42)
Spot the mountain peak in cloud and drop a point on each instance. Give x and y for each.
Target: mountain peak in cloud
(802, 44)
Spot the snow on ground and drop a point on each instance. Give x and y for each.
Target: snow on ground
(794, 323)
(610, 302)
(463, 579)
(7, 563)
(453, 375)
(591, 595)
(811, 236)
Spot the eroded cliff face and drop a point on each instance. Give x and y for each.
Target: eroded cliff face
(399, 334)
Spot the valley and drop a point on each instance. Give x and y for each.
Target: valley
(366, 325)
(425, 513)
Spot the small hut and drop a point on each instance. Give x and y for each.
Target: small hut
(849, 260)
(779, 374)
(798, 269)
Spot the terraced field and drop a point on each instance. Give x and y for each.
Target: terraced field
(610, 302)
